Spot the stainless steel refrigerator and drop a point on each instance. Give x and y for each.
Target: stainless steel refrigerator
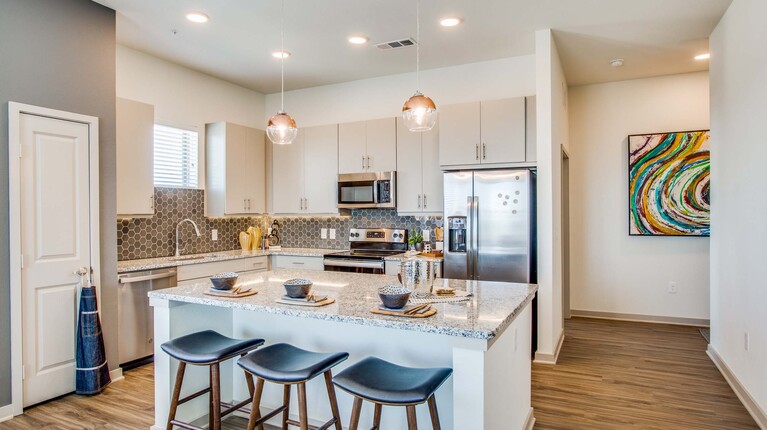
(490, 225)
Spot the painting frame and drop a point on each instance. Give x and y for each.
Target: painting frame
(639, 228)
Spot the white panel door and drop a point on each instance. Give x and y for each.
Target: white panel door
(432, 173)
(409, 196)
(135, 158)
(503, 130)
(381, 137)
(321, 169)
(459, 137)
(352, 152)
(288, 176)
(55, 242)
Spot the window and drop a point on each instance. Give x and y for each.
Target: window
(175, 157)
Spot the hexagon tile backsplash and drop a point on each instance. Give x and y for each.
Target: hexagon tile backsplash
(155, 237)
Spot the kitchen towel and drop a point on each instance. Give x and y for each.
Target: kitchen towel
(92, 373)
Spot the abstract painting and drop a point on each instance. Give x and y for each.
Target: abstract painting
(669, 190)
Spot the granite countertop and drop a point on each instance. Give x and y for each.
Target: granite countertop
(210, 257)
(492, 308)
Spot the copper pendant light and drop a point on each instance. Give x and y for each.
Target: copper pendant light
(281, 128)
(419, 111)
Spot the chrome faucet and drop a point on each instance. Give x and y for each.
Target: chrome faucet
(196, 230)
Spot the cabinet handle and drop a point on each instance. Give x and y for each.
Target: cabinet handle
(151, 202)
(476, 151)
(419, 201)
(306, 203)
(484, 151)
(363, 162)
(368, 163)
(424, 201)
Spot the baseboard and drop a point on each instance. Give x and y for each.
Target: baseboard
(116, 374)
(543, 358)
(530, 421)
(658, 319)
(751, 406)
(6, 413)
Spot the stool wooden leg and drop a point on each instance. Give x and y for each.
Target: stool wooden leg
(302, 417)
(433, 412)
(286, 402)
(176, 394)
(377, 416)
(215, 397)
(411, 420)
(255, 412)
(356, 409)
(333, 400)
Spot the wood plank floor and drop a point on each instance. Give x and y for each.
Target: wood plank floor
(626, 375)
(610, 375)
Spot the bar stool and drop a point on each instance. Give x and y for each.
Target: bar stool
(287, 365)
(384, 383)
(206, 348)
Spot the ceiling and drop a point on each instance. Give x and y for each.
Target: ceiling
(655, 37)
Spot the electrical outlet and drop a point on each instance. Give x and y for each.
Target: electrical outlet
(425, 234)
(323, 233)
(672, 287)
(214, 234)
(332, 233)
(746, 341)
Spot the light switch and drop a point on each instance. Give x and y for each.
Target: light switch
(323, 233)
(426, 236)
(332, 233)
(214, 234)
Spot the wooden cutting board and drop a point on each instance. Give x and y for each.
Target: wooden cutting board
(426, 314)
(434, 254)
(238, 295)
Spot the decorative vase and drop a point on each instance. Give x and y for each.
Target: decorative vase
(419, 246)
(245, 241)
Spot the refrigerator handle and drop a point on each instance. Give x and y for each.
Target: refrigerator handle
(470, 241)
(475, 237)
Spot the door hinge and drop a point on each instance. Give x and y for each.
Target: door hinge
(23, 372)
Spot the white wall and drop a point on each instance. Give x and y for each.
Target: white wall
(384, 96)
(183, 97)
(738, 228)
(552, 129)
(610, 270)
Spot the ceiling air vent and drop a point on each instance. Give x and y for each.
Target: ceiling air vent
(396, 44)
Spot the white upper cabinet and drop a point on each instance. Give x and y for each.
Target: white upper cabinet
(305, 173)
(235, 170)
(367, 146)
(135, 158)
(479, 133)
(419, 178)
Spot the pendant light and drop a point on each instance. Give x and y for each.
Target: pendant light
(282, 129)
(419, 111)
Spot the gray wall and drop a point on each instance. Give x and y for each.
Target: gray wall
(60, 54)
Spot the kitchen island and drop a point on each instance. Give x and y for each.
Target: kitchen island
(486, 341)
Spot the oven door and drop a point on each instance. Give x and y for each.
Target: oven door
(375, 267)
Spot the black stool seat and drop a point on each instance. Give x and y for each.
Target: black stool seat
(208, 347)
(287, 364)
(379, 381)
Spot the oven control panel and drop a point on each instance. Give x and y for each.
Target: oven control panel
(388, 235)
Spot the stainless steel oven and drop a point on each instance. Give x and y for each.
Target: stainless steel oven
(367, 190)
(368, 249)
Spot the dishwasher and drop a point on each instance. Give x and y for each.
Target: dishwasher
(135, 316)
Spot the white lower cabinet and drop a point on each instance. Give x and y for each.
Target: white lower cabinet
(206, 270)
(419, 177)
(297, 262)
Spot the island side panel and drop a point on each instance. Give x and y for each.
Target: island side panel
(174, 319)
(404, 347)
(491, 389)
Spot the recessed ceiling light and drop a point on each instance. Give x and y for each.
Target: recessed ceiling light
(198, 17)
(616, 62)
(358, 39)
(450, 21)
(705, 56)
(280, 54)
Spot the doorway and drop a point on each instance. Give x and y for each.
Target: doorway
(53, 213)
(565, 234)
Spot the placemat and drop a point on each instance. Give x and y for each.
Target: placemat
(238, 295)
(426, 314)
(460, 296)
(325, 302)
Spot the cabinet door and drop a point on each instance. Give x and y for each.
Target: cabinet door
(503, 130)
(244, 170)
(351, 147)
(321, 169)
(381, 145)
(288, 176)
(135, 158)
(256, 190)
(432, 174)
(409, 198)
(459, 136)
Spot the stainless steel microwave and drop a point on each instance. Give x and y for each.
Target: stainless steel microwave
(367, 190)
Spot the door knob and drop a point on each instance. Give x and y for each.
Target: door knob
(81, 271)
